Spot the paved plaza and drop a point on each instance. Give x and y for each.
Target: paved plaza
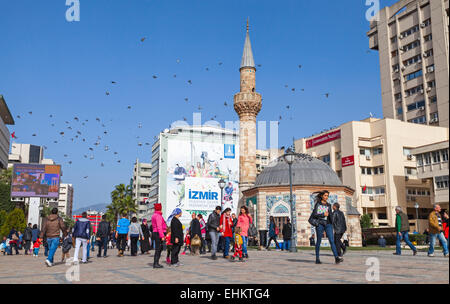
(263, 267)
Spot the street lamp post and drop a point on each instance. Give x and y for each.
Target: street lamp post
(289, 157)
(416, 205)
(221, 186)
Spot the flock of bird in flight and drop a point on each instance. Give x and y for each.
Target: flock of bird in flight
(78, 135)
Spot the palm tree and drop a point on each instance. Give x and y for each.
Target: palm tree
(113, 212)
(129, 205)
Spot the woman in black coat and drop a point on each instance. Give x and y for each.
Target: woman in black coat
(177, 236)
(145, 242)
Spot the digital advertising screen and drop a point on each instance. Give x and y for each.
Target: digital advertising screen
(30, 180)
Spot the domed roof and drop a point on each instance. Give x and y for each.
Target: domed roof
(306, 170)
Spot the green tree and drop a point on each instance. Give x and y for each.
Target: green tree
(68, 221)
(366, 221)
(15, 219)
(3, 215)
(6, 176)
(5, 197)
(122, 201)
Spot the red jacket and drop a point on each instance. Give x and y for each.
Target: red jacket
(187, 239)
(227, 225)
(168, 236)
(445, 228)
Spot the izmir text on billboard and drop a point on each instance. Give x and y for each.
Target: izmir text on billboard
(30, 180)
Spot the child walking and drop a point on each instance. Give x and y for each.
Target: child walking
(168, 245)
(187, 242)
(36, 246)
(66, 246)
(238, 244)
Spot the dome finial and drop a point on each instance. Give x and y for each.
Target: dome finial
(247, 25)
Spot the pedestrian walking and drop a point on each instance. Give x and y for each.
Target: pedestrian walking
(226, 222)
(51, 230)
(145, 242)
(27, 237)
(273, 232)
(402, 229)
(203, 227)
(122, 229)
(187, 242)
(36, 246)
(35, 233)
(159, 229)
(436, 231)
(176, 236)
(244, 221)
(66, 246)
(445, 225)
(235, 221)
(238, 241)
(169, 244)
(214, 230)
(322, 220)
(134, 234)
(195, 235)
(287, 235)
(339, 227)
(102, 236)
(82, 234)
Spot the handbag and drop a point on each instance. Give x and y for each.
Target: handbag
(313, 221)
(196, 241)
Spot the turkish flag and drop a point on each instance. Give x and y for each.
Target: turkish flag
(364, 188)
(13, 134)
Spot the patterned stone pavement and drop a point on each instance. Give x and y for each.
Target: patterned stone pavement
(262, 268)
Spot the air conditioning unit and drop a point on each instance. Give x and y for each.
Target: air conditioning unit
(368, 157)
(409, 157)
(422, 25)
(421, 108)
(401, 36)
(421, 91)
(425, 55)
(396, 70)
(428, 89)
(403, 68)
(419, 61)
(371, 198)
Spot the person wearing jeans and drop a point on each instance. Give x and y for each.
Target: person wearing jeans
(82, 233)
(244, 221)
(287, 235)
(214, 228)
(402, 227)
(321, 215)
(51, 230)
(227, 230)
(436, 231)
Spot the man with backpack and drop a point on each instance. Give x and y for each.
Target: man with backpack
(27, 236)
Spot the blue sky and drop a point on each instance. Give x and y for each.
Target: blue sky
(53, 67)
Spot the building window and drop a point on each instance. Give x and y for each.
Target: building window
(410, 171)
(398, 96)
(412, 60)
(413, 75)
(433, 99)
(444, 154)
(419, 120)
(406, 151)
(395, 67)
(418, 89)
(431, 84)
(409, 31)
(364, 151)
(436, 157)
(419, 159)
(429, 53)
(326, 159)
(427, 158)
(377, 150)
(434, 117)
(394, 39)
(399, 111)
(411, 46)
(416, 105)
(428, 37)
(442, 182)
(394, 53)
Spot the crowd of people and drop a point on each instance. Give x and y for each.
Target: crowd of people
(223, 232)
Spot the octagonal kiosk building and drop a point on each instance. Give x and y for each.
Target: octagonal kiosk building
(271, 194)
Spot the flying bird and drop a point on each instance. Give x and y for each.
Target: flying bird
(154, 76)
(225, 104)
(189, 81)
(129, 107)
(30, 112)
(18, 116)
(143, 39)
(113, 82)
(327, 94)
(186, 99)
(299, 66)
(107, 93)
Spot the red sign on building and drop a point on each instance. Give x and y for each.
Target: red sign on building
(323, 139)
(348, 161)
(94, 219)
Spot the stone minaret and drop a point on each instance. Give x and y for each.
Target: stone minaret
(247, 104)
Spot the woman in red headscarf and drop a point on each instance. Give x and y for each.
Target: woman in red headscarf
(159, 230)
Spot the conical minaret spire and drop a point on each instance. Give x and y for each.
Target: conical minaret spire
(247, 56)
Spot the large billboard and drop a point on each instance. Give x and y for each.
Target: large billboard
(193, 172)
(30, 180)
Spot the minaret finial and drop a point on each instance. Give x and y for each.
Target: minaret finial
(247, 24)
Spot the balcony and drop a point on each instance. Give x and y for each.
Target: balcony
(379, 201)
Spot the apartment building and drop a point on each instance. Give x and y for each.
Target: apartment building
(25, 154)
(432, 166)
(264, 157)
(374, 157)
(5, 119)
(141, 188)
(411, 37)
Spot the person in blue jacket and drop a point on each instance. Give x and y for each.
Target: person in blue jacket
(123, 225)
